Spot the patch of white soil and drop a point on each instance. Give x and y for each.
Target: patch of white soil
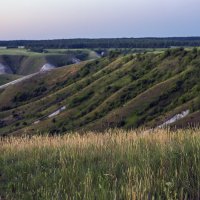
(57, 112)
(37, 122)
(5, 70)
(76, 60)
(175, 118)
(47, 67)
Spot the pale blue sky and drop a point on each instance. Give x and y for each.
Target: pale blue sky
(50, 19)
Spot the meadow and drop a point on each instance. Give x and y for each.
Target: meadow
(116, 164)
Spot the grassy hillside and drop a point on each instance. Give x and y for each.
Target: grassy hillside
(24, 62)
(112, 165)
(115, 91)
(6, 78)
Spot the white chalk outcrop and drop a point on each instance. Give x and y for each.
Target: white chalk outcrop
(5, 70)
(47, 67)
(57, 112)
(175, 118)
(76, 60)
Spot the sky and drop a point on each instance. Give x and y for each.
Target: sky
(62, 19)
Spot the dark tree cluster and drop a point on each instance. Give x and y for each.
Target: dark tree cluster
(105, 43)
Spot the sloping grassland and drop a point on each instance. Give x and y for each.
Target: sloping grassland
(123, 91)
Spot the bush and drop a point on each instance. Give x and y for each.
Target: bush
(25, 96)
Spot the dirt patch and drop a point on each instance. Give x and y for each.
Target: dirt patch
(47, 67)
(175, 118)
(5, 70)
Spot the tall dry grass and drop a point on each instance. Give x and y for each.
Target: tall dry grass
(117, 164)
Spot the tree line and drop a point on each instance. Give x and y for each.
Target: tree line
(106, 43)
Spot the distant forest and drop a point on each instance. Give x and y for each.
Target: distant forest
(106, 43)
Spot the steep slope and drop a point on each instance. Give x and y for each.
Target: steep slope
(5, 70)
(6, 78)
(125, 91)
(23, 62)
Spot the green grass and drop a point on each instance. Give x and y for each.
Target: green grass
(123, 91)
(19, 52)
(114, 165)
(6, 78)
(26, 52)
(25, 62)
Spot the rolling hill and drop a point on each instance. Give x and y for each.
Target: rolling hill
(149, 89)
(21, 62)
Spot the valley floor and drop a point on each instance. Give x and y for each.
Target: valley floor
(156, 164)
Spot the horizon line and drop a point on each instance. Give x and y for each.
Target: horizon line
(100, 38)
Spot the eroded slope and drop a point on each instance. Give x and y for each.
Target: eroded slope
(126, 91)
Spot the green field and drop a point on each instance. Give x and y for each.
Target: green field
(16, 51)
(113, 165)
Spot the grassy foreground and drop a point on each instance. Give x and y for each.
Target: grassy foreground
(113, 165)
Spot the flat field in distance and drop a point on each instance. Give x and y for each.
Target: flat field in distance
(26, 52)
(116, 164)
